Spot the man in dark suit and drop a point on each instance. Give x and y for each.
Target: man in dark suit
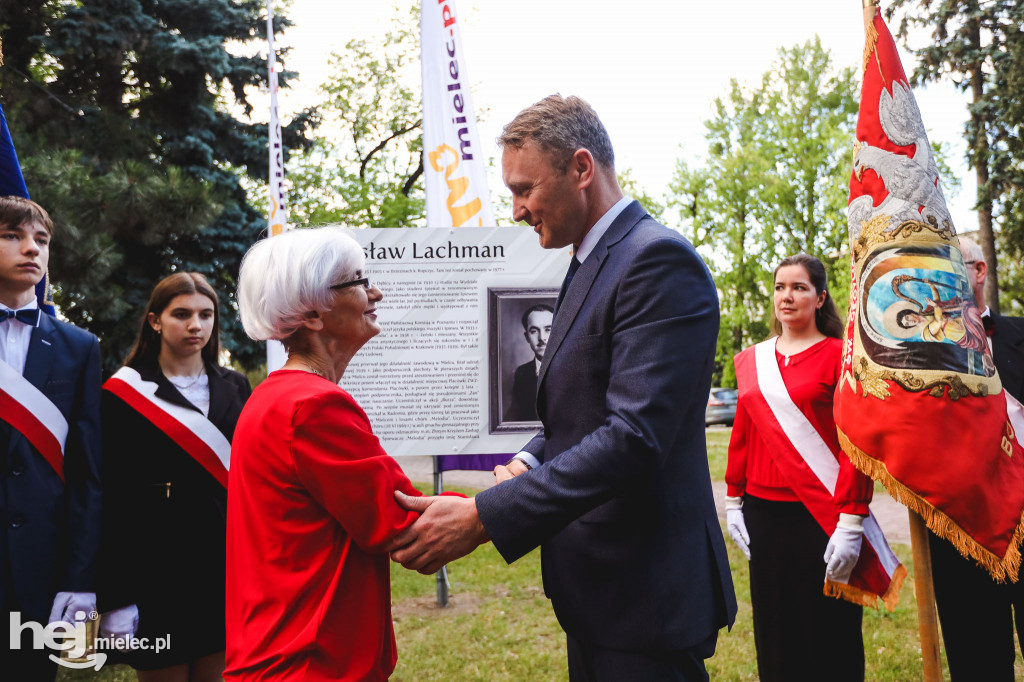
(536, 329)
(977, 613)
(615, 488)
(50, 504)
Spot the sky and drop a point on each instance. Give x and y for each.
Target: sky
(650, 68)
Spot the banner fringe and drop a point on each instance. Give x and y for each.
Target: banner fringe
(870, 40)
(863, 597)
(1001, 569)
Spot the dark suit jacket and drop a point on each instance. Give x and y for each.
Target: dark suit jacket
(524, 394)
(632, 552)
(51, 529)
(164, 545)
(1008, 353)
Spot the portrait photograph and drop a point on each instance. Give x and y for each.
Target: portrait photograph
(518, 324)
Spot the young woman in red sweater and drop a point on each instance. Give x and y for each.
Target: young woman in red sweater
(799, 632)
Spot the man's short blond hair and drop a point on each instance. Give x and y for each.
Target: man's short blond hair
(560, 126)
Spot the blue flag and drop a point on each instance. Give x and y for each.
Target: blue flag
(12, 183)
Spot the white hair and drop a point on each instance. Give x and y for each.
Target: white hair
(970, 249)
(285, 277)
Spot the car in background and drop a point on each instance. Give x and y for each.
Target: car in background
(721, 406)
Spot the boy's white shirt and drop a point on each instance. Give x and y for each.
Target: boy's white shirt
(14, 339)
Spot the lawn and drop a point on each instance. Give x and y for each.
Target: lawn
(499, 625)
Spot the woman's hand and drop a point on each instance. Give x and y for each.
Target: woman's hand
(843, 548)
(736, 525)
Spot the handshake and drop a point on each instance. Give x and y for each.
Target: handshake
(448, 528)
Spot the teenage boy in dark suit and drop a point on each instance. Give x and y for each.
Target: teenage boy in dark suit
(50, 496)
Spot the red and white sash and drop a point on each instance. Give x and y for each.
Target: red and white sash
(812, 470)
(34, 416)
(193, 433)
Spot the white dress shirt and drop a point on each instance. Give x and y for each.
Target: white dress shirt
(14, 338)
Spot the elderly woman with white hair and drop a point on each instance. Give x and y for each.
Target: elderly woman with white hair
(311, 507)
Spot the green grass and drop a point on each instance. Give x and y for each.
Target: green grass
(499, 625)
(718, 451)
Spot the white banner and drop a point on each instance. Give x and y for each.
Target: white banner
(454, 165)
(277, 216)
(464, 321)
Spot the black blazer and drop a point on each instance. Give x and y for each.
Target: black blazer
(51, 530)
(166, 515)
(632, 552)
(524, 394)
(1008, 353)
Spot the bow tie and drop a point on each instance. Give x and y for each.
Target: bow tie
(990, 325)
(29, 316)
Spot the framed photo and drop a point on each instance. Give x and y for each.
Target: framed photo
(518, 327)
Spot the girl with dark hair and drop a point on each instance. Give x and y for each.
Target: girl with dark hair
(795, 504)
(168, 419)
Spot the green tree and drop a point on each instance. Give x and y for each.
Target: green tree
(980, 47)
(631, 187)
(366, 167)
(775, 182)
(124, 113)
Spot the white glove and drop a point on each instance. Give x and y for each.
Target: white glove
(843, 548)
(68, 605)
(734, 522)
(120, 623)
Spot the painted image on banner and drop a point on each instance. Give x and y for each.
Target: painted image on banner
(918, 299)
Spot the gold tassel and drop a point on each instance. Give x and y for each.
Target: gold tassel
(1000, 569)
(870, 40)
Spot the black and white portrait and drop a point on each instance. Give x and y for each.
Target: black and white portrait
(519, 324)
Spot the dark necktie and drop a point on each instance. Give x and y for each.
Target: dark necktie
(990, 324)
(29, 316)
(574, 265)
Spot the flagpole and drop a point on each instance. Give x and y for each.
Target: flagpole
(277, 215)
(924, 589)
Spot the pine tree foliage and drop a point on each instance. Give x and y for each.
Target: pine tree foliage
(126, 116)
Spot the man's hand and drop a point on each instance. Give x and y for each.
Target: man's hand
(504, 472)
(448, 528)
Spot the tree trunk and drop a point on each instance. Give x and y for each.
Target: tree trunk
(979, 157)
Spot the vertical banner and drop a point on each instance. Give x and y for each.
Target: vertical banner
(453, 162)
(277, 216)
(12, 184)
(920, 406)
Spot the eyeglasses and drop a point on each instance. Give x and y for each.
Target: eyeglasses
(361, 282)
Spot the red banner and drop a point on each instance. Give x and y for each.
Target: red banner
(920, 406)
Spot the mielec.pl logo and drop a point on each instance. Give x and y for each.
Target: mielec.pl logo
(72, 638)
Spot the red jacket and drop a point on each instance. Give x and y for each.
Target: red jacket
(310, 508)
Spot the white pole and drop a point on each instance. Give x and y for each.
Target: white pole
(277, 216)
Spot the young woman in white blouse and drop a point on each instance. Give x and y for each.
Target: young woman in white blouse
(165, 497)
